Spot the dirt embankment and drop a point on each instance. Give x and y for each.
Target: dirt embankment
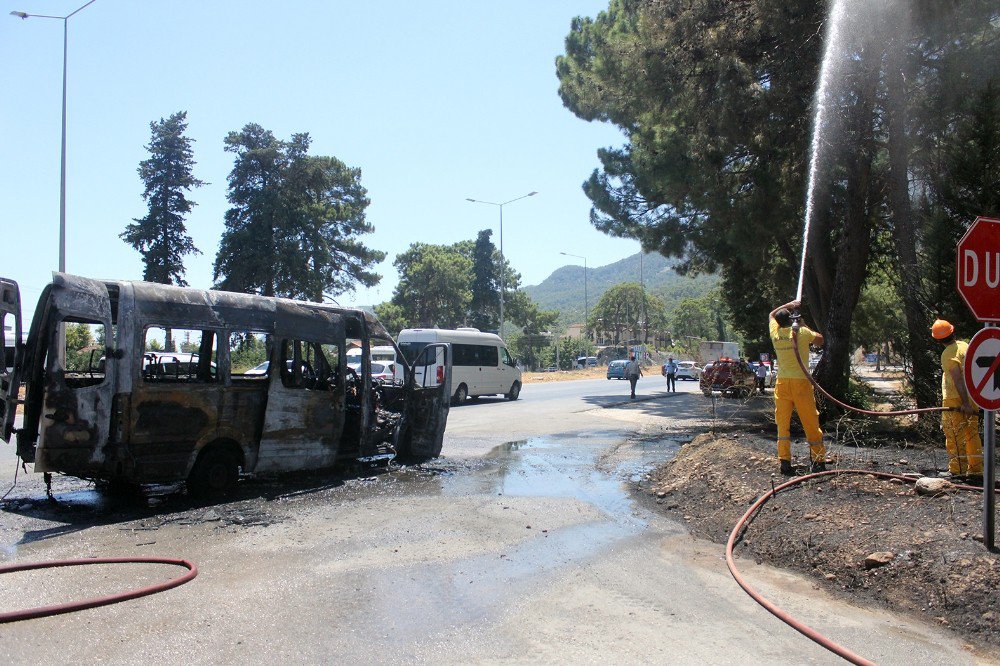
(826, 528)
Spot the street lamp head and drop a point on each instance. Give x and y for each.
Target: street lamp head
(531, 194)
(22, 15)
(472, 200)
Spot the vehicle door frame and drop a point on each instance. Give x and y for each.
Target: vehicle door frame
(427, 404)
(298, 448)
(10, 376)
(75, 417)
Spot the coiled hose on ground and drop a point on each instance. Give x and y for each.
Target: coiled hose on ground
(56, 609)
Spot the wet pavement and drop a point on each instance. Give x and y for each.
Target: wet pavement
(530, 549)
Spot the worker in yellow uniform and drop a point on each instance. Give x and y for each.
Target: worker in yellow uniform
(793, 390)
(961, 428)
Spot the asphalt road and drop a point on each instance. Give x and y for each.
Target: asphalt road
(523, 543)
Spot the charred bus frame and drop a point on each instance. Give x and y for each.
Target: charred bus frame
(128, 413)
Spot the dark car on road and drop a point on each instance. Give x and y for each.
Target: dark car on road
(616, 369)
(729, 376)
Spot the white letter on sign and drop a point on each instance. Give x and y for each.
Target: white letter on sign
(993, 281)
(970, 269)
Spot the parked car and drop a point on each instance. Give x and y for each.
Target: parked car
(616, 369)
(730, 376)
(688, 370)
(260, 369)
(383, 372)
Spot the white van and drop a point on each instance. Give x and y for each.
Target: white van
(481, 363)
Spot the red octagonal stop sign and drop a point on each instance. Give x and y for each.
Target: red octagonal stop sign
(979, 268)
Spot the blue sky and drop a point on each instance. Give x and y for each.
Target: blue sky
(434, 101)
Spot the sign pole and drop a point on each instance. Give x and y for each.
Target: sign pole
(989, 478)
(976, 282)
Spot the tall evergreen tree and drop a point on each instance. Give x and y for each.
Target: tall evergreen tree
(716, 98)
(327, 215)
(161, 236)
(433, 288)
(251, 244)
(484, 309)
(294, 225)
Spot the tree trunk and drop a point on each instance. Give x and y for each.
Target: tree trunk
(833, 372)
(903, 231)
(844, 259)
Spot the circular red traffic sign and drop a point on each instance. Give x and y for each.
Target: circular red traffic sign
(982, 368)
(978, 268)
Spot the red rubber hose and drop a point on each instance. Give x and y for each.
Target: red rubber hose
(800, 627)
(56, 609)
(869, 412)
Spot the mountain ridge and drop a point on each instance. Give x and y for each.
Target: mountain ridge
(563, 289)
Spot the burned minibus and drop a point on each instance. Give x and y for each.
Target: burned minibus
(179, 384)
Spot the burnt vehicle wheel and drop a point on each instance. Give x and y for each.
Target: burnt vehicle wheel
(215, 473)
(515, 391)
(460, 395)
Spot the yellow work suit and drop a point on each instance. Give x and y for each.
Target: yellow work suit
(793, 391)
(961, 431)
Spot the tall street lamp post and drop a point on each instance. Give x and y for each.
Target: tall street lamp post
(502, 266)
(586, 300)
(62, 158)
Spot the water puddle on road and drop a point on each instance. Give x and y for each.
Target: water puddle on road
(593, 470)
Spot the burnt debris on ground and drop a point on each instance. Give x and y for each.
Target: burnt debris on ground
(872, 540)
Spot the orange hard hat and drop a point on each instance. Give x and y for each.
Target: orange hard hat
(941, 329)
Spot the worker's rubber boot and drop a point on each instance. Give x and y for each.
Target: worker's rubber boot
(818, 466)
(786, 468)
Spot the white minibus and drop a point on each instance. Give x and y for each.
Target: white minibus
(481, 364)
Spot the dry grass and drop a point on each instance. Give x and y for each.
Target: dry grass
(600, 372)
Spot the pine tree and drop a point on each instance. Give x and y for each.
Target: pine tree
(484, 310)
(294, 226)
(161, 236)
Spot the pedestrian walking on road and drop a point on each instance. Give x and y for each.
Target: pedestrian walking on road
(961, 428)
(793, 390)
(670, 372)
(762, 371)
(633, 371)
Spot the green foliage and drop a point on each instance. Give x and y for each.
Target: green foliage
(570, 349)
(161, 236)
(705, 317)
(294, 226)
(392, 317)
(453, 285)
(715, 100)
(248, 352)
(564, 290)
(433, 288)
(860, 393)
(152, 344)
(484, 307)
(536, 332)
(81, 348)
(626, 313)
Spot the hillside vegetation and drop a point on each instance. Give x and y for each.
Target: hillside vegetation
(563, 290)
